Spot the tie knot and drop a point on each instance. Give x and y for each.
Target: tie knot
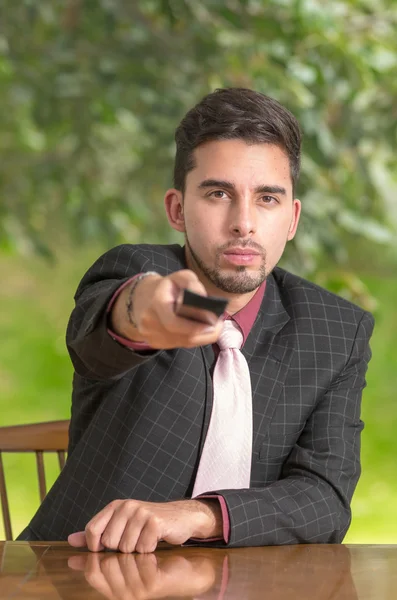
(231, 336)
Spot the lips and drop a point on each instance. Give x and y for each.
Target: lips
(242, 251)
(242, 256)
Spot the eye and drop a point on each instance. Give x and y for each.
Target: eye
(269, 200)
(218, 194)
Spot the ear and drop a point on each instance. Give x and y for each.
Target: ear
(173, 201)
(296, 213)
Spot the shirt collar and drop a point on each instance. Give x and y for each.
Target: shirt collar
(245, 317)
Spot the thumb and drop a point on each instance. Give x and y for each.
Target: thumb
(186, 278)
(78, 539)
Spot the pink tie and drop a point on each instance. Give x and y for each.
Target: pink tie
(225, 462)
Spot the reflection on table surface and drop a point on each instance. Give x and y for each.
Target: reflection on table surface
(45, 570)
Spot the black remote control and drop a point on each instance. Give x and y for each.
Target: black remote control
(205, 309)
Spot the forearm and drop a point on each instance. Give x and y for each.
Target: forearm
(94, 353)
(296, 510)
(310, 503)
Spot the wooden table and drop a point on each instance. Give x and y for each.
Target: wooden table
(44, 570)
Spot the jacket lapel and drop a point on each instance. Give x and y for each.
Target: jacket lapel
(268, 356)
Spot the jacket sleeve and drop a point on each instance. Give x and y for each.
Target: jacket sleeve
(310, 503)
(95, 354)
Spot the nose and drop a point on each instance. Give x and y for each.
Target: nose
(243, 219)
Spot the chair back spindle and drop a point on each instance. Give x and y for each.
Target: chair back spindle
(4, 502)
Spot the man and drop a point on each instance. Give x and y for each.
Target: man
(269, 447)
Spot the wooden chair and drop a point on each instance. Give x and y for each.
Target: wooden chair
(39, 438)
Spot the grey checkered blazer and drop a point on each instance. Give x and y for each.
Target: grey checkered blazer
(139, 421)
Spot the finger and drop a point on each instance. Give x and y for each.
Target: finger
(209, 335)
(169, 288)
(167, 295)
(95, 528)
(148, 538)
(169, 340)
(185, 278)
(132, 531)
(179, 325)
(196, 335)
(161, 325)
(113, 533)
(79, 540)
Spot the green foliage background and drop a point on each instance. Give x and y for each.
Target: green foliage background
(90, 94)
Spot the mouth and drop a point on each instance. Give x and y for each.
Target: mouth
(241, 256)
(242, 251)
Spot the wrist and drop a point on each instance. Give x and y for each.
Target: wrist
(118, 318)
(130, 304)
(209, 521)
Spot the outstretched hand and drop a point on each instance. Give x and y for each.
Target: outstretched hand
(157, 324)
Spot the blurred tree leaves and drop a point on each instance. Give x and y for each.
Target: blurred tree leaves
(91, 92)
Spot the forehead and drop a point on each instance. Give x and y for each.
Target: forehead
(240, 163)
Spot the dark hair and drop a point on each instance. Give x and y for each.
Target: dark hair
(236, 113)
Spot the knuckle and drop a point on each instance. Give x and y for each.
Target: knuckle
(141, 513)
(109, 542)
(92, 528)
(126, 509)
(154, 522)
(106, 541)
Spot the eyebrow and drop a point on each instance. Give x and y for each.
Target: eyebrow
(229, 185)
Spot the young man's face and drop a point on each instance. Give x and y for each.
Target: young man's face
(237, 213)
